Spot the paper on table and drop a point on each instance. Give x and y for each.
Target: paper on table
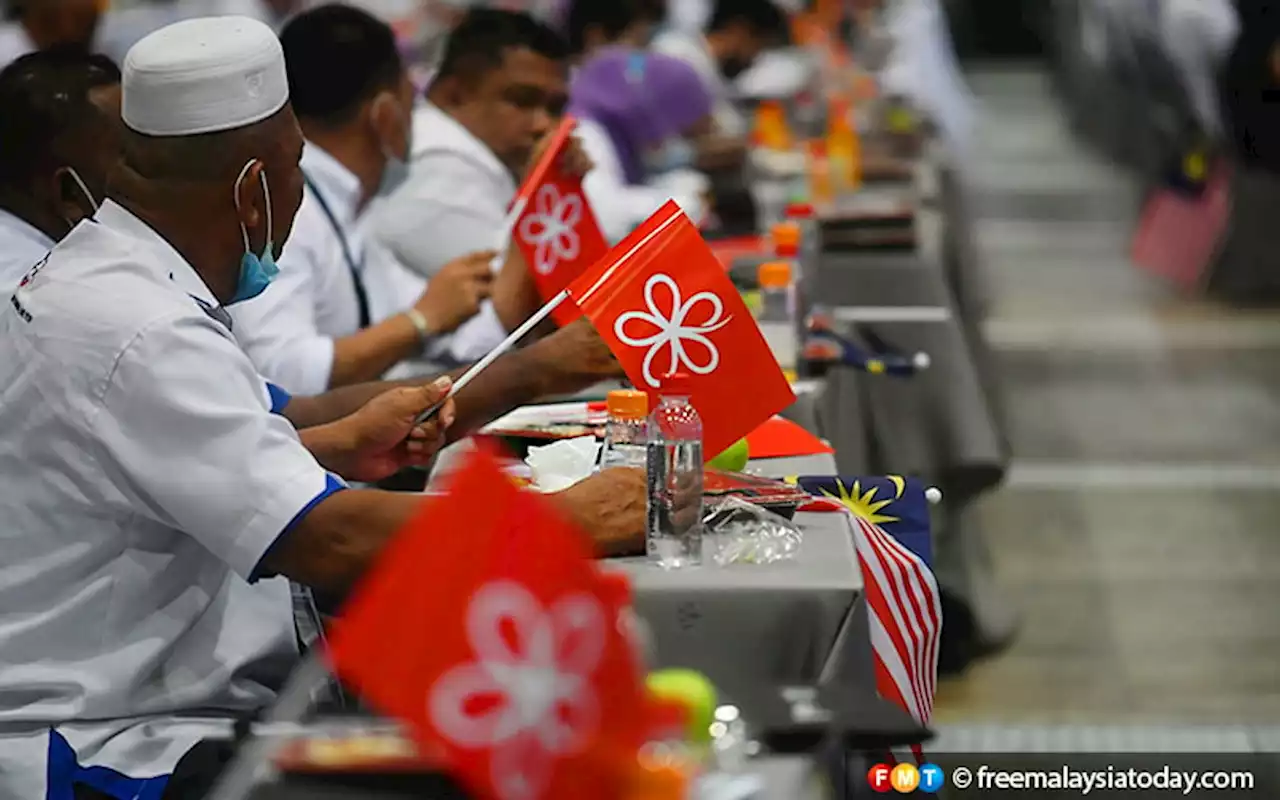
(560, 465)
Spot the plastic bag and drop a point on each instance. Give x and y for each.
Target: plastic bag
(739, 532)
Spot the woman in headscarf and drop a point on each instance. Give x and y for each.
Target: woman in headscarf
(636, 113)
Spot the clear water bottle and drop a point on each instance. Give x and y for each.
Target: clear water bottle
(674, 531)
(626, 433)
(777, 318)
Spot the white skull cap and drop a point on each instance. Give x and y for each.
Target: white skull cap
(203, 76)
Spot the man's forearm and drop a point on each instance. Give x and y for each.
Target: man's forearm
(329, 443)
(343, 536)
(333, 405)
(365, 355)
(518, 378)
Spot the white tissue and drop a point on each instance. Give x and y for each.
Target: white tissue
(560, 465)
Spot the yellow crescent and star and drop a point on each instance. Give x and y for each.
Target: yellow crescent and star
(865, 504)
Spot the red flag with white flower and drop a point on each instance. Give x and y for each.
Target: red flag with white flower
(555, 228)
(486, 627)
(663, 303)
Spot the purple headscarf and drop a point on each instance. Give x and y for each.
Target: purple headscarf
(641, 99)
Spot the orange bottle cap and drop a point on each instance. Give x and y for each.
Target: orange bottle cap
(774, 275)
(786, 234)
(628, 404)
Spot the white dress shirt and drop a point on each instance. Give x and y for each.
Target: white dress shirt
(620, 206)
(289, 330)
(693, 50)
(21, 246)
(145, 478)
(454, 203)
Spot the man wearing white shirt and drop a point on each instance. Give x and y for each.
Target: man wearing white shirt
(314, 328)
(737, 32)
(155, 485)
(498, 93)
(59, 135)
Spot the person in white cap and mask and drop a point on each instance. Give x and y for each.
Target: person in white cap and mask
(156, 487)
(59, 135)
(342, 311)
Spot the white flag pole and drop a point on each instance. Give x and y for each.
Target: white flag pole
(492, 356)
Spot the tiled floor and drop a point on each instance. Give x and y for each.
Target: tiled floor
(1140, 530)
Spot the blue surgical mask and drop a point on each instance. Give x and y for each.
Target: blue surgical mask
(674, 154)
(256, 271)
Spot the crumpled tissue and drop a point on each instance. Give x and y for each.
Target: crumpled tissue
(558, 466)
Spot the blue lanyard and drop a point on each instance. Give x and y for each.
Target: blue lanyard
(362, 297)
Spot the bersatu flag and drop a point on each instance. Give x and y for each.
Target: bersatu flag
(663, 303)
(555, 229)
(486, 627)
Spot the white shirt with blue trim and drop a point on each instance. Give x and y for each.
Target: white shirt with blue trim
(145, 478)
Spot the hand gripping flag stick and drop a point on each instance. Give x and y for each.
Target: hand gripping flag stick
(480, 366)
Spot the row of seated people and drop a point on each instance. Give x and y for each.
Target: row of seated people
(391, 259)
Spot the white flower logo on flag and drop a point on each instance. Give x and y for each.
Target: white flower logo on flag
(672, 331)
(552, 228)
(531, 701)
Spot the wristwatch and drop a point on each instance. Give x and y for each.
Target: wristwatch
(419, 321)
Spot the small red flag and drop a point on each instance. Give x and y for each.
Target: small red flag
(556, 231)
(485, 626)
(664, 304)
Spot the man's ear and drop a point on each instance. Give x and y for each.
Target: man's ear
(249, 198)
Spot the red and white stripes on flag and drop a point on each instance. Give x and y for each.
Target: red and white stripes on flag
(904, 609)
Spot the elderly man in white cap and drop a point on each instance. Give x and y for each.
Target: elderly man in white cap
(157, 490)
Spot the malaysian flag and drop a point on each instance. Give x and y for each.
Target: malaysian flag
(890, 521)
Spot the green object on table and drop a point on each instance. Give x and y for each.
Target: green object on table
(753, 302)
(694, 691)
(734, 458)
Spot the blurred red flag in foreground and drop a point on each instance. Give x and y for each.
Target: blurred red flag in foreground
(486, 628)
(556, 231)
(663, 303)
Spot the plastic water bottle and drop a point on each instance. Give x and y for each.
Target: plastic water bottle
(626, 433)
(674, 531)
(777, 318)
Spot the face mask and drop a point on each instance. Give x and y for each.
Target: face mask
(396, 171)
(673, 155)
(93, 203)
(256, 272)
